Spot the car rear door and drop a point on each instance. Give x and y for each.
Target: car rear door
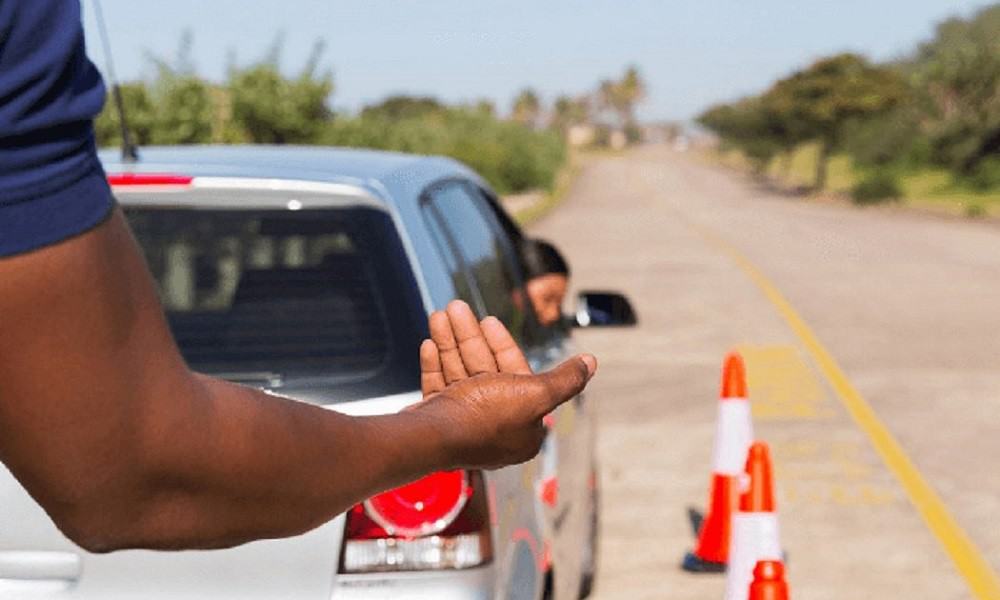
(494, 284)
(476, 255)
(566, 462)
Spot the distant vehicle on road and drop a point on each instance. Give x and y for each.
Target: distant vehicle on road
(310, 273)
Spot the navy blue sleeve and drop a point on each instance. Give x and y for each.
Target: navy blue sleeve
(52, 186)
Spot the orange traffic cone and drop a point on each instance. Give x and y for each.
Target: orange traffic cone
(769, 581)
(732, 439)
(755, 527)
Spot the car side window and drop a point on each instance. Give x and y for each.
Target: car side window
(449, 254)
(464, 220)
(534, 332)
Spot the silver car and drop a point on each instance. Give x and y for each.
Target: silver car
(309, 273)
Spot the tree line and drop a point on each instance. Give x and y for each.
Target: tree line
(611, 105)
(937, 107)
(255, 104)
(258, 104)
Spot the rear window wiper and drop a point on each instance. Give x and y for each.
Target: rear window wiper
(263, 379)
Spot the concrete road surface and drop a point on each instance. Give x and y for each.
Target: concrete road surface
(900, 312)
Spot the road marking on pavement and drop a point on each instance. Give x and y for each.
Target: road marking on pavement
(980, 577)
(815, 471)
(782, 386)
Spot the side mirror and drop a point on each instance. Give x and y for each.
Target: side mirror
(603, 309)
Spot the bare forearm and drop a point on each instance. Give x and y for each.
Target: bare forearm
(256, 466)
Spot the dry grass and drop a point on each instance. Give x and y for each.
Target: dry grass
(531, 207)
(930, 188)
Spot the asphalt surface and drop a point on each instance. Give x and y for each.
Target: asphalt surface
(908, 305)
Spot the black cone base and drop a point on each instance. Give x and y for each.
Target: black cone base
(693, 564)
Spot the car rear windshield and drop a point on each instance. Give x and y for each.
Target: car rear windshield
(320, 299)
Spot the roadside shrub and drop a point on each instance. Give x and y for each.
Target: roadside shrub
(602, 137)
(140, 112)
(633, 133)
(889, 140)
(975, 210)
(880, 186)
(511, 157)
(986, 176)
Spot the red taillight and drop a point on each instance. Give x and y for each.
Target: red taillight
(130, 179)
(438, 522)
(423, 507)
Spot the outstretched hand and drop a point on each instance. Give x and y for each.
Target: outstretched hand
(461, 346)
(476, 380)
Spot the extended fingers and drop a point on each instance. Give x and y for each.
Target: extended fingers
(431, 374)
(443, 337)
(507, 353)
(476, 354)
(466, 346)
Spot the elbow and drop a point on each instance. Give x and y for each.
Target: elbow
(107, 516)
(101, 525)
(109, 491)
(87, 534)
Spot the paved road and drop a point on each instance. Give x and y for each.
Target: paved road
(907, 305)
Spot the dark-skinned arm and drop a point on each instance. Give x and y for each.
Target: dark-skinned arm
(125, 447)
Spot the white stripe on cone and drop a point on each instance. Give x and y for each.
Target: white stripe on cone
(754, 537)
(733, 436)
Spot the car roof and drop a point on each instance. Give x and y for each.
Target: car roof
(374, 170)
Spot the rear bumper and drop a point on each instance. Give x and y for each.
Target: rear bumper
(471, 584)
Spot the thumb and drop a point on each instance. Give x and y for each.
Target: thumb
(567, 380)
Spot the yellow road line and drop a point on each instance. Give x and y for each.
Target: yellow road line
(982, 580)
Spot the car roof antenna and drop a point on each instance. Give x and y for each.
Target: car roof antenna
(130, 152)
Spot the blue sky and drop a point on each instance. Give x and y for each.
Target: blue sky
(691, 52)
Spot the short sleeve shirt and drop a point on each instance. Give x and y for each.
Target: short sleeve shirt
(52, 185)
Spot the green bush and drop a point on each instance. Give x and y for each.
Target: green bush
(139, 112)
(513, 158)
(975, 210)
(891, 140)
(269, 108)
(986, 176)
(876, 188)
(633, 133)
(259, 104)
(602, 136)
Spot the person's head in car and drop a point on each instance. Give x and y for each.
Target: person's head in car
(546, 279)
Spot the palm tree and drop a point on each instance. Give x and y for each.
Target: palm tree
(607, 96)
(632, 90)
(622, 96)
(568, 111)
(527, 107)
